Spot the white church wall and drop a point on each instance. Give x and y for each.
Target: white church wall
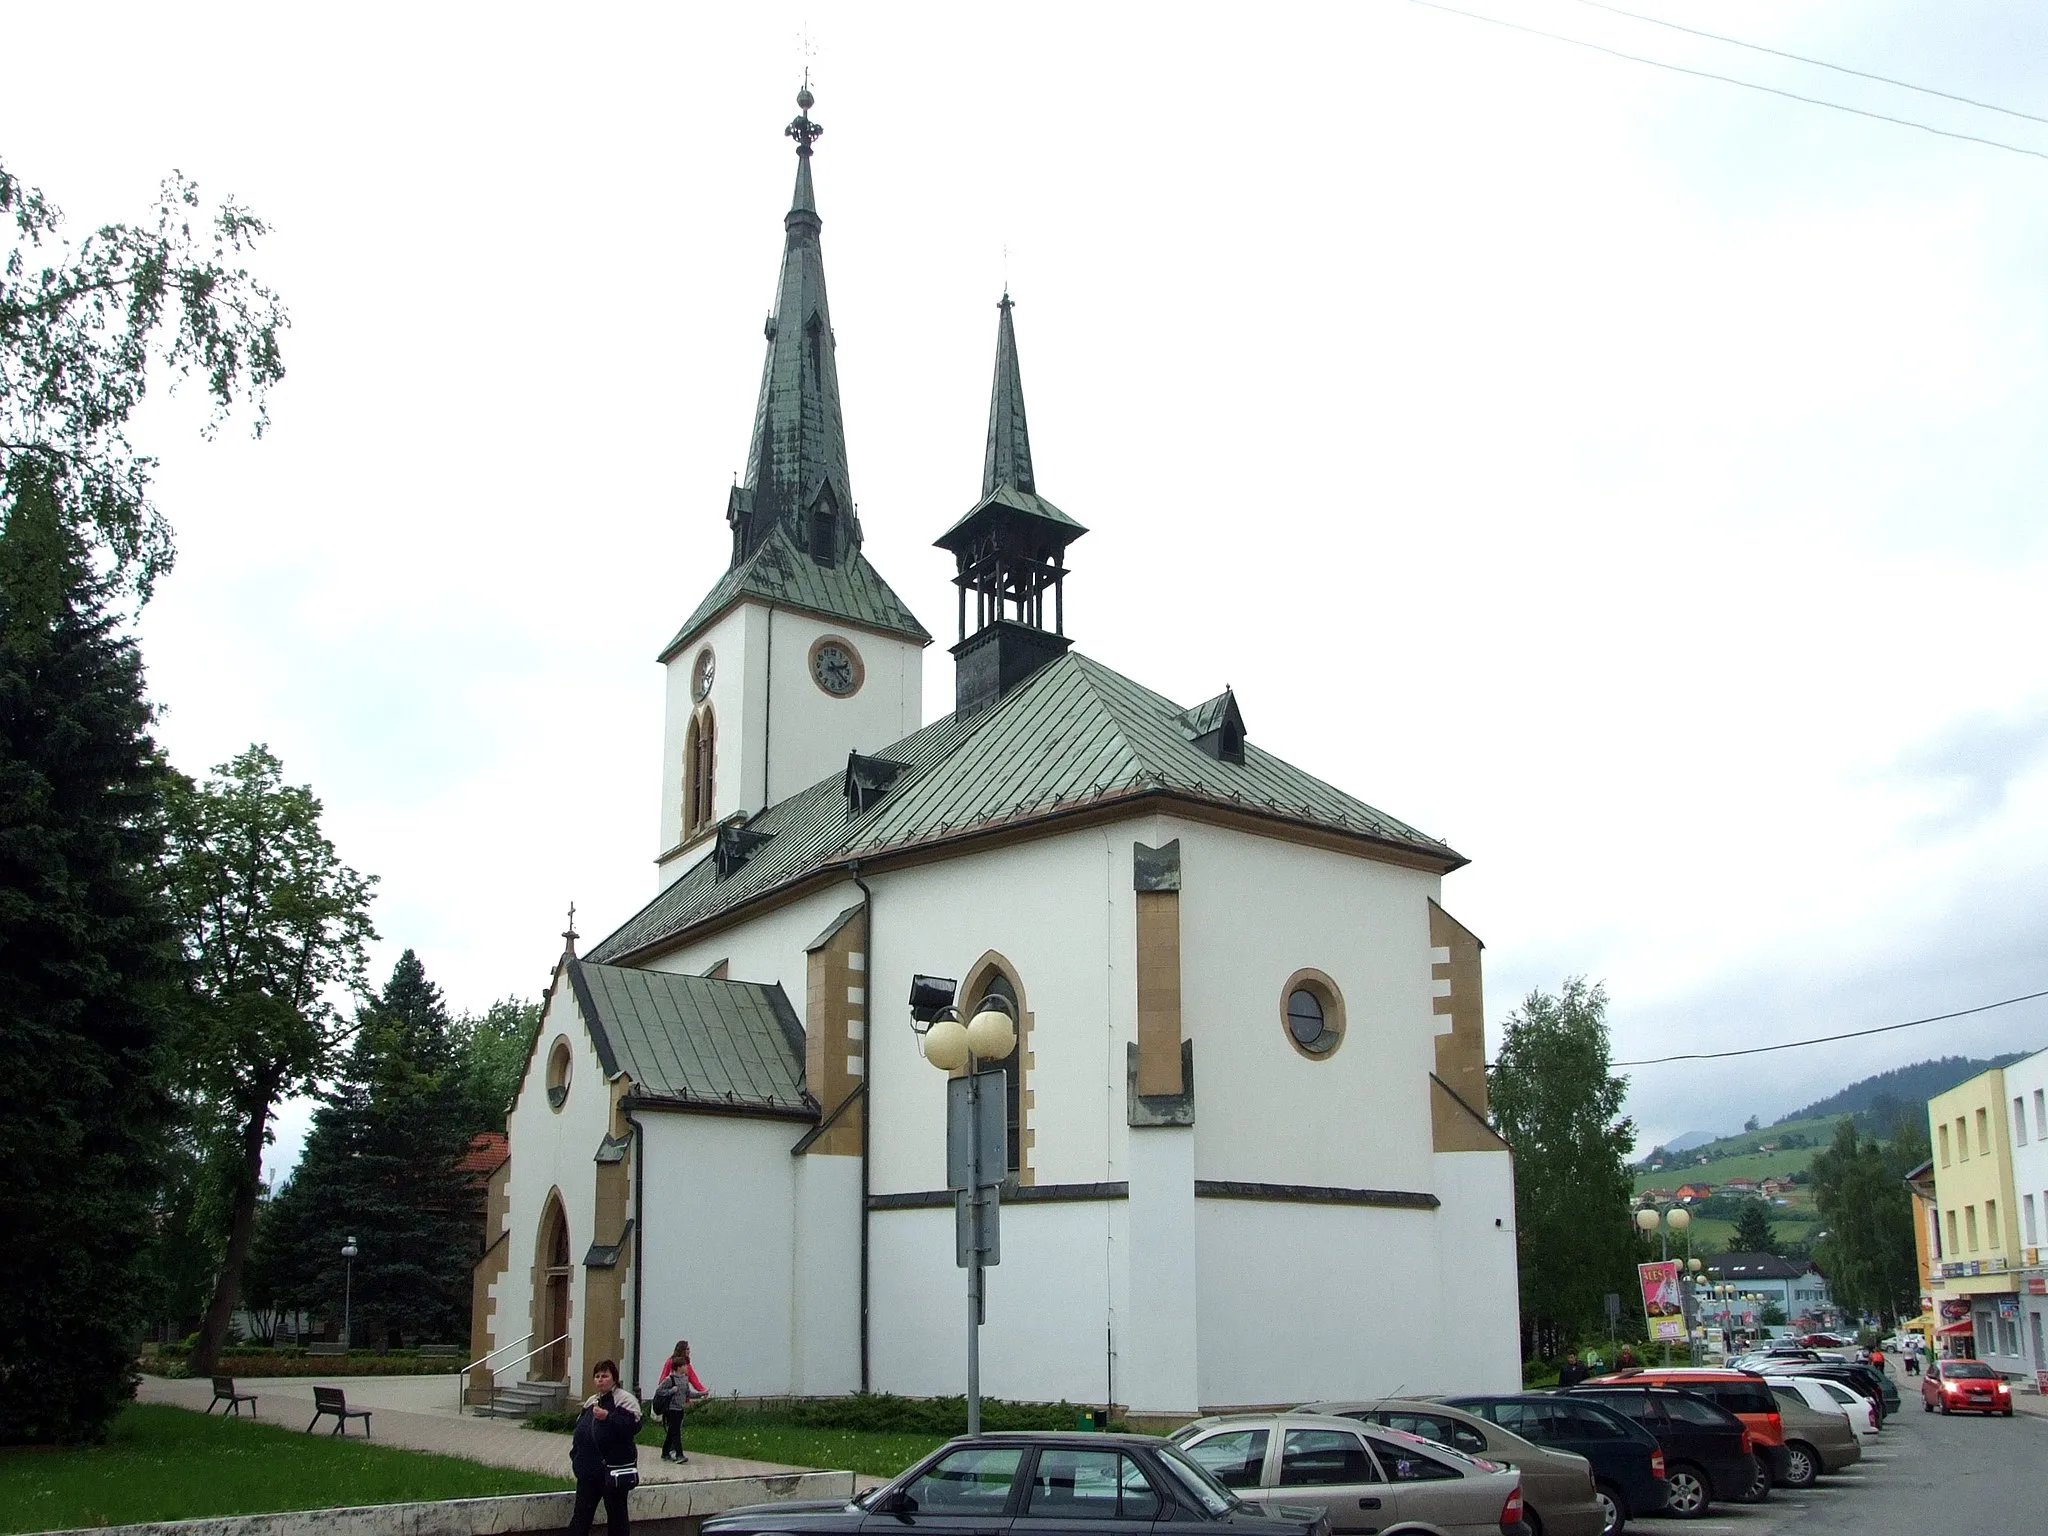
(1157, 1333)
(720, 1249)
(552, 1150)
(811, 731)
(1254, 911)
(1041, 906)
(825, 1320)
(1308, 1301)
(1047, 1335)
(1476, 1273)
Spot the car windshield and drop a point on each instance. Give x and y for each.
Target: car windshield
(1975, 1370)
(1210, 1494)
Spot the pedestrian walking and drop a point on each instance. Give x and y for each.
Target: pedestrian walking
(672, 1396)
(1911, 1350)
(602, 1452)
(1573, 1371)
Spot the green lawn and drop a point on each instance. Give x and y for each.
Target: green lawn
(163, 1463)
(881, 1454)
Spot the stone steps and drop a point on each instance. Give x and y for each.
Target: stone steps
(523, 1399)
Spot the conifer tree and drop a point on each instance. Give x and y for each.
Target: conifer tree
(88, 980)
(1753, 1231)
(381, 1166)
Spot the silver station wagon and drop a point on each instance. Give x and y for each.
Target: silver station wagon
(1371, 1480)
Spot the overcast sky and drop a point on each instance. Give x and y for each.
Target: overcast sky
(1632, 479)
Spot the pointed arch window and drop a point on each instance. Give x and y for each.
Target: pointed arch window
(700, 759)
(1000, 986)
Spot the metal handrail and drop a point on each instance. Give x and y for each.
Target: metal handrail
(551, 1343)
(463, 1375)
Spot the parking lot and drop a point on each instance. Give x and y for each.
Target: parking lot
(1986, 1477)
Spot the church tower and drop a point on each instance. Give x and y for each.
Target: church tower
(801, 653)
(1009, 552)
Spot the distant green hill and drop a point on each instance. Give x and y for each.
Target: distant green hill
(1876, 1101)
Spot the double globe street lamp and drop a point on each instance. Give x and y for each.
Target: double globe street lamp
(977, 1136)
(1664, 1222)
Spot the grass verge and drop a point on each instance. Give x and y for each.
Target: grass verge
(162, 1463)
(881, 1454)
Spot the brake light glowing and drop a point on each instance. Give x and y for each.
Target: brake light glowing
(1657, 1463)
(1511, 1512)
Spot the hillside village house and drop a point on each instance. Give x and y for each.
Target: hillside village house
(1249, 1158)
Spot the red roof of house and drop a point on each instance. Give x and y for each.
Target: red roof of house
(486, 1155)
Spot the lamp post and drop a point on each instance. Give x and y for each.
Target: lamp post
(1675, 1218)
(348, 1276)
(977, 1136)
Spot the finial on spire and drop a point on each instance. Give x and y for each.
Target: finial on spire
(802, 129)
(569, 933)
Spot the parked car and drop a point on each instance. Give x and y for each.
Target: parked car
(1873, 1384)
(1964, 1386)
(1708, 1453)
(1818, 1440)
(1628, 1464)
(1039, 1483)
(1741, 1393)
(1559, 1497)
(1859, 1411)
(1365, 1479)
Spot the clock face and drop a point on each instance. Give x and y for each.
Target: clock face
(835, 667)
(700, 675)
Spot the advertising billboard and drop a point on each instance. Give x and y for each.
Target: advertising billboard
(1663, 1302)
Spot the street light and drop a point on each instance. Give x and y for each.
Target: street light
(348, 1275)
(1671, 1219)
(977, 1135)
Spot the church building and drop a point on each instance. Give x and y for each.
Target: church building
(1248, 1155)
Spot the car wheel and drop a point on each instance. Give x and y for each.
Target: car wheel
(1687, 1495)
(1945, 1407)
(1926, 1405)
(2006, 1414)
(1759, 1484)
(1802, 1466)
(1532, 1520)
(1613, 1509)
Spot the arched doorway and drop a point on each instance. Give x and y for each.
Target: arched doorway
(552, 1271)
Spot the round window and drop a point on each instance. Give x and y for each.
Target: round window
(558, 1072)
(1312, 1012)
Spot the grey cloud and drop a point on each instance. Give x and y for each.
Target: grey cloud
(1975, 761)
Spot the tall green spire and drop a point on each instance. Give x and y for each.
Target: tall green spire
(797, 477)
(1008, 459)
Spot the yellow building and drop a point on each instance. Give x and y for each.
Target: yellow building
(1975, 1277)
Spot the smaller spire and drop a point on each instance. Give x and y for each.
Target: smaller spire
(1007, 460)
(569, 934)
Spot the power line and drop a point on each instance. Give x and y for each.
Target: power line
(1707, 74)
(1800, 58)
(1854, 1034)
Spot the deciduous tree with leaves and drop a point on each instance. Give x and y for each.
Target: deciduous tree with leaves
(1558, 1105)
(81, 327)
(1860, 1190)
(274, 927)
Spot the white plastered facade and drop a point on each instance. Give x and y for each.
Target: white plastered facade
(1126, 1278)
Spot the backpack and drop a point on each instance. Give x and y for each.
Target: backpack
(665, 1394)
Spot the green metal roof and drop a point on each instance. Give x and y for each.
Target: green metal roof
(1075, 734)
(696, 1040)
(779, 573)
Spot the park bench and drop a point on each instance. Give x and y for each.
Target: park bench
(224, 1392)
(440, 1352)
(331, 1400)
(326, 1349)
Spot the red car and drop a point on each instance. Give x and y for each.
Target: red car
(1968, 1386)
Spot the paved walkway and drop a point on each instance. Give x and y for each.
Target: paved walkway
(288, 1400)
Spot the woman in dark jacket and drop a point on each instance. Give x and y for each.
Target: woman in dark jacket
(604, 1440)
